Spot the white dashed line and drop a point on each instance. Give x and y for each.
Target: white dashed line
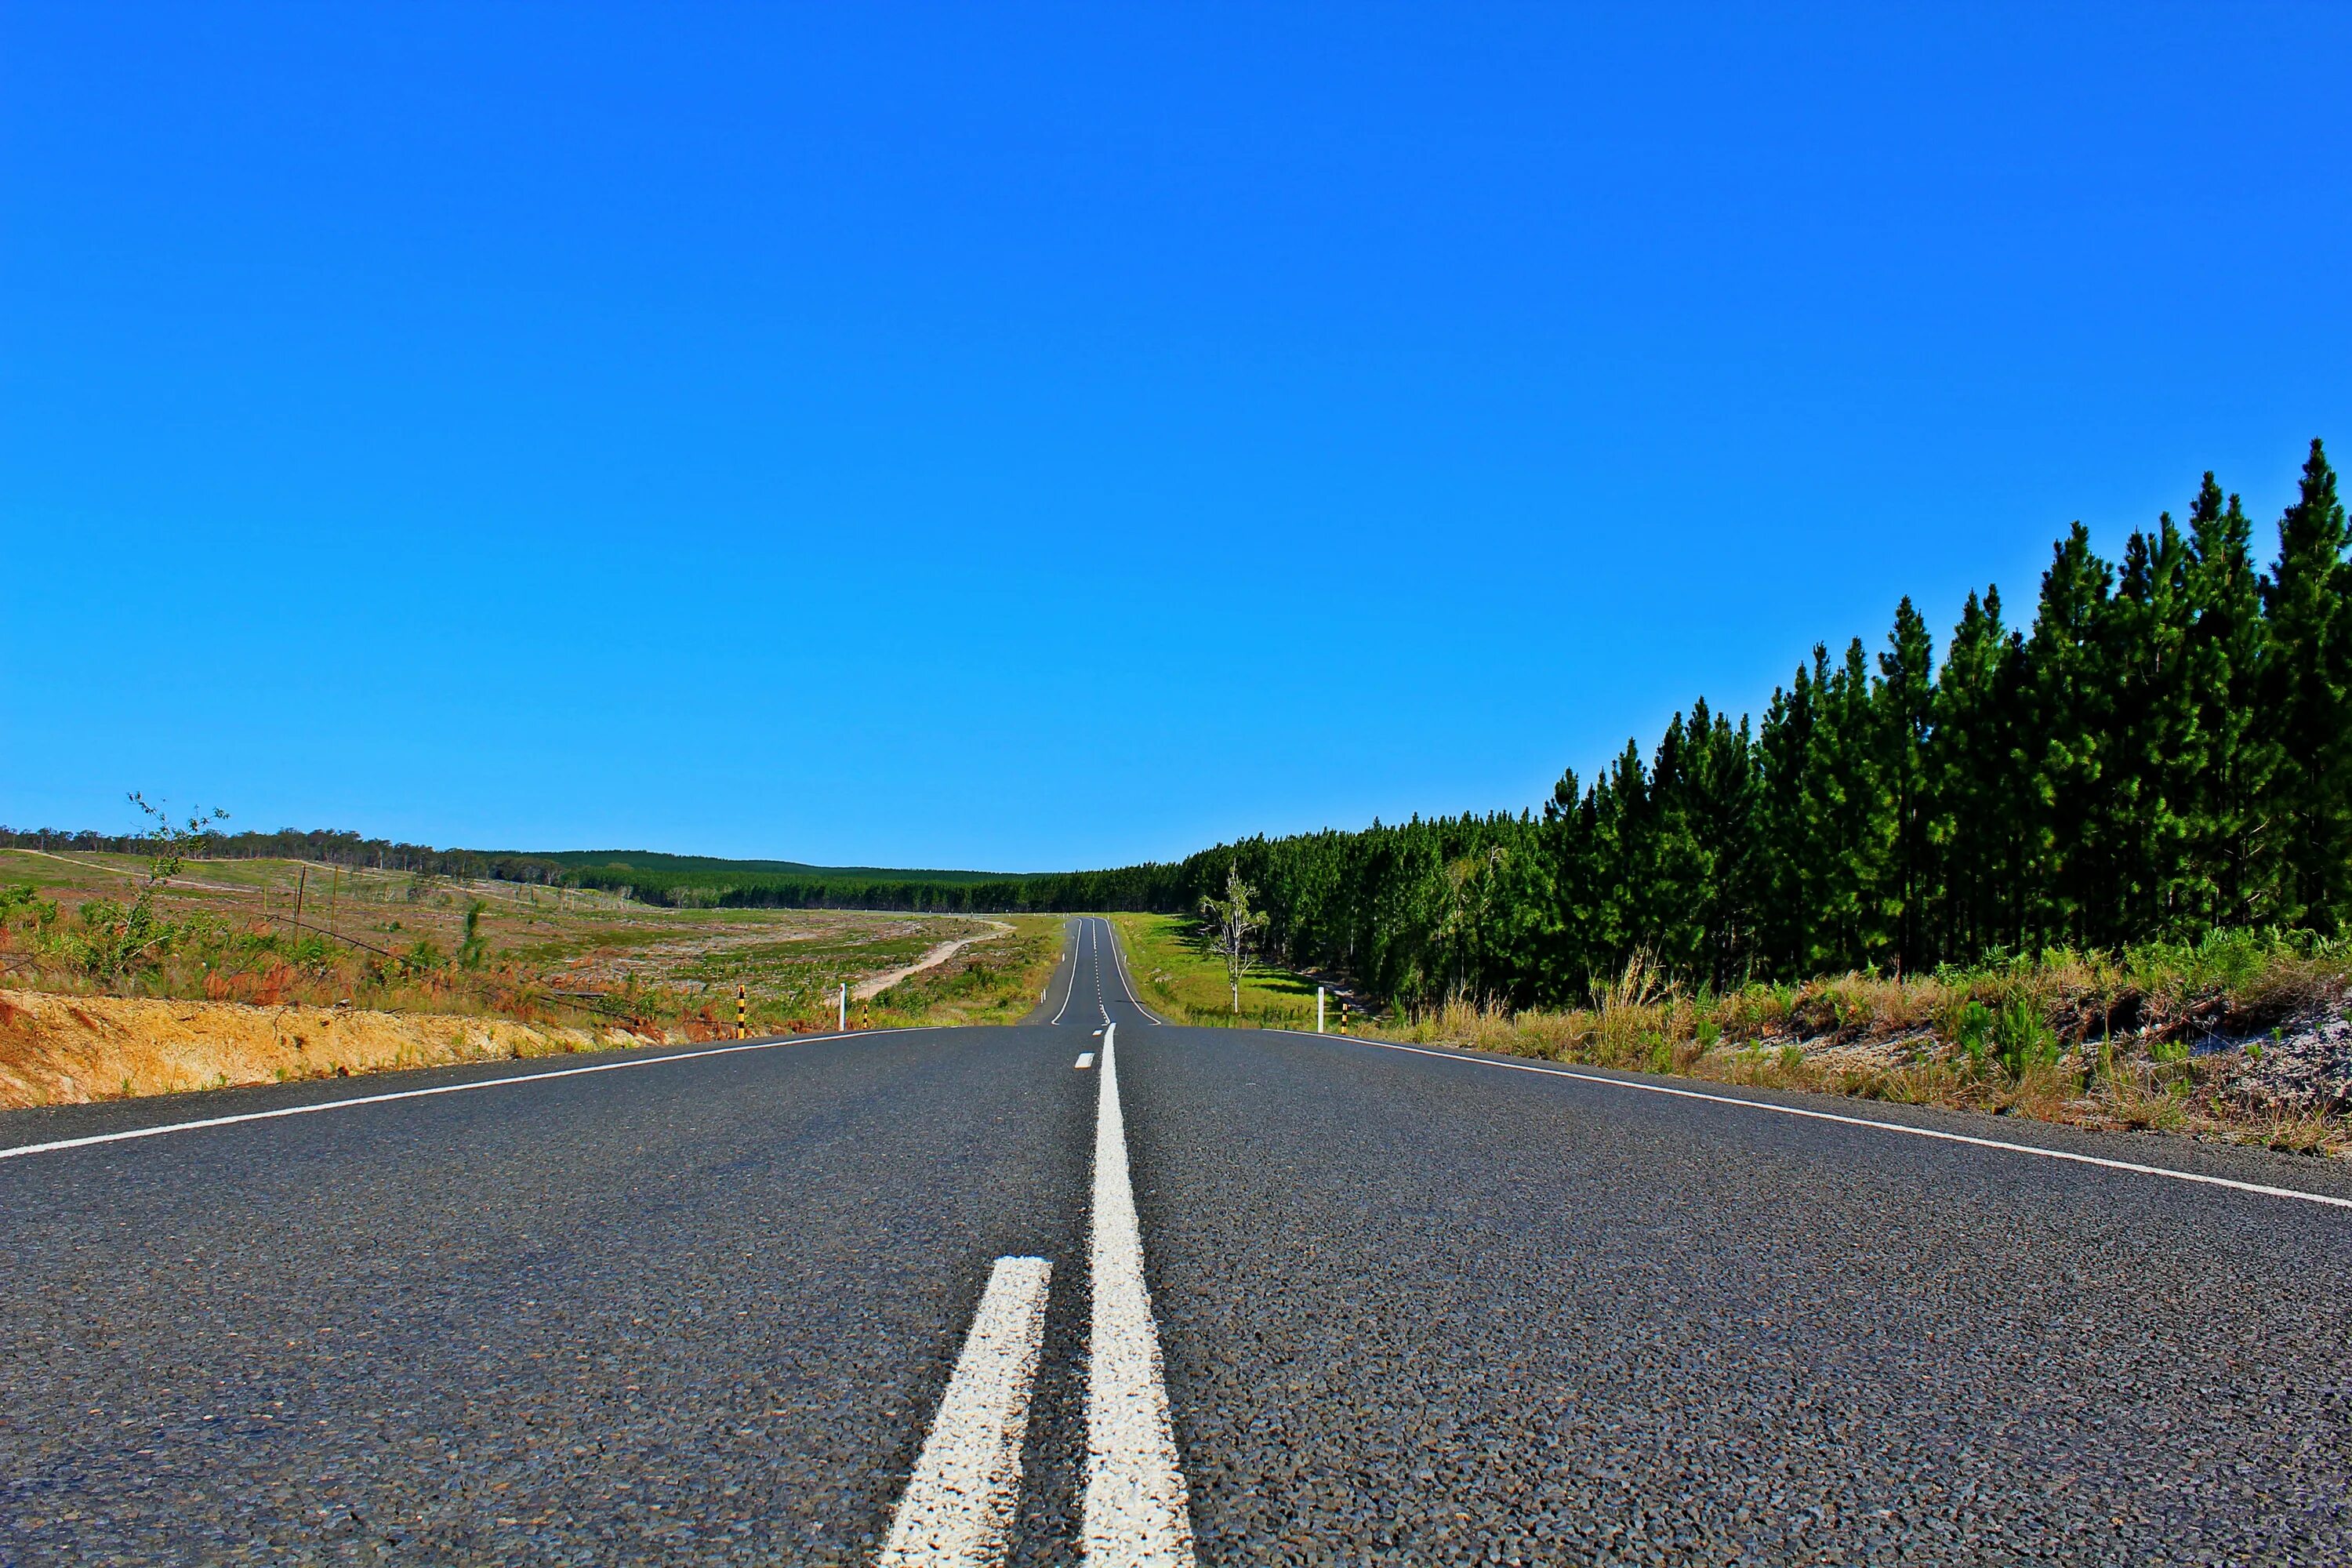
(1085, 1060)
(1094, 929)
(2067, 1155)
(958, 1505)
(1135, 1509)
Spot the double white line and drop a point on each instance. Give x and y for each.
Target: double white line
(959, 1504)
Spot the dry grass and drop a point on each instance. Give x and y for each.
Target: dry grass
(376, 972)
(393, 942)
(71, 1050)
(2160, 1038)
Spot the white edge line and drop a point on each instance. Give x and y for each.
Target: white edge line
(1073, 991)
(1127, 981)
(1119, 962)
(156, 1131)
(958, 1505)
(1135, 1511)
(1552, 1071)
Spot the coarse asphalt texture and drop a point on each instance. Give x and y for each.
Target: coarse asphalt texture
(1413, 1308)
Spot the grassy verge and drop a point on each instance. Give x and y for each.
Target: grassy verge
(1178, 978)
(2242, 1037)
(992, 982)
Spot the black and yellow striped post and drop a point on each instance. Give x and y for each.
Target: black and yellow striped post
(742, 1015)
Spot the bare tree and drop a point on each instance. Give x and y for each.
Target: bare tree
(1235, 924)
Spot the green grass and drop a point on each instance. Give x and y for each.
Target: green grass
(995, 982)
(1178, 978)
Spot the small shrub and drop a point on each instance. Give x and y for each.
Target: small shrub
(2025, 1041)
(1973, 1029)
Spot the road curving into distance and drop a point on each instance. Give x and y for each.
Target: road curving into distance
(1222, 1296)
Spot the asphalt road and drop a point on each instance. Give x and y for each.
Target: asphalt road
(1411, 1308)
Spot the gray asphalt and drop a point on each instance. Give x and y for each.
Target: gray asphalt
(1414, 1310)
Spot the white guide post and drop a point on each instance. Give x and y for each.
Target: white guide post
(845, 1006)
(1318, 1009)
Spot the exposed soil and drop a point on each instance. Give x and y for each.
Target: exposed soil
(71, 1050)
(866, 989)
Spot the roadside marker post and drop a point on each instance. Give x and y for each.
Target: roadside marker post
(845, 1006)
(742, 1016)
(1318, 1009)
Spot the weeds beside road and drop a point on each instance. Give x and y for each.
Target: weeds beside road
(2240, 1037)
(506, 969)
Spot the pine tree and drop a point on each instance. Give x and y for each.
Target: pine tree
(2170, 749)
(2310, 672)
(2154, 748)
(1979, 818)
(1905, 703)
(1792, 874)
(2229, 680)
(1851, 817)
(1721, 805)
(2067, 877)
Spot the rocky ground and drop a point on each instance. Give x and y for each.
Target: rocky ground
(2305, 1066)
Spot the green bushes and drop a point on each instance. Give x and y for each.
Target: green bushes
(2025, 1041)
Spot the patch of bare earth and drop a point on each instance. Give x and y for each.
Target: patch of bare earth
(865, 989)
(71, 1050)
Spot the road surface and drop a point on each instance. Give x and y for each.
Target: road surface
(712, 1305)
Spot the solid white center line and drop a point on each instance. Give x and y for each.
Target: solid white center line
(958, 1505)
(1085, 1060)
(1135, 1512)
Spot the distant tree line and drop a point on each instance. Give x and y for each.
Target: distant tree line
(678, 882)
(1146, 887)
(2166, 748)
(324, 844)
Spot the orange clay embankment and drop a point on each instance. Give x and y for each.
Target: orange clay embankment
(70, 1050)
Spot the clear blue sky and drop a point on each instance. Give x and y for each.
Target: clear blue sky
(1029, 437)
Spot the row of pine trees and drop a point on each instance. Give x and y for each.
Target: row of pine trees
(2164, 749)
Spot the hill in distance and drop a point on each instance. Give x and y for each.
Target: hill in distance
(654, 861)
